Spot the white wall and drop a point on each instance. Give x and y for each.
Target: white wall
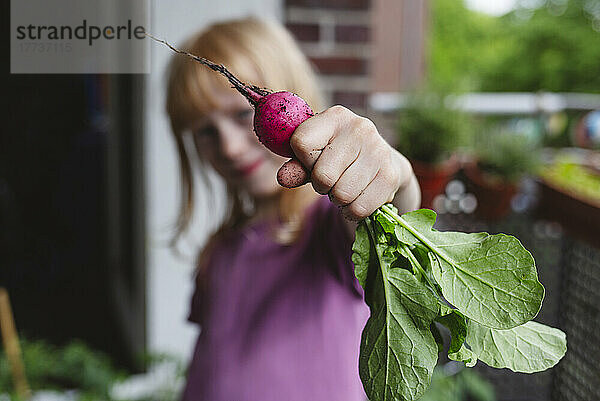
(170, 279)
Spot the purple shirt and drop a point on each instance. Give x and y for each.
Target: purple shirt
(280, 322)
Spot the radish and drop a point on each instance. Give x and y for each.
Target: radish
(276, 116)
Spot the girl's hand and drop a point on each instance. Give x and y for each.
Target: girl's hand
(349, 160)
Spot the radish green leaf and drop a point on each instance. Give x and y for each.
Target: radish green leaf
(531, 347)
(482, 287)
(398, 350)
(491, 279)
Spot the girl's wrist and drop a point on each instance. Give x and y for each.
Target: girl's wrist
(408, 195)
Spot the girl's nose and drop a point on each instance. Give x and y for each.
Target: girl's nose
(233, 140)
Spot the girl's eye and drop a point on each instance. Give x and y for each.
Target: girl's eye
(205, 133)
(244, 116)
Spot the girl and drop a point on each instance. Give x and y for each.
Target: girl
(279, 307)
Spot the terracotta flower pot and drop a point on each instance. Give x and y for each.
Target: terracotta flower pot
(433, 178)
(493, 194)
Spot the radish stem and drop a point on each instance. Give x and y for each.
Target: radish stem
(250, 92)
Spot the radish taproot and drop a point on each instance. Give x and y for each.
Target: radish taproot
(276, 116)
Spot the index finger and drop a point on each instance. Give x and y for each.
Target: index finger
(314, 134)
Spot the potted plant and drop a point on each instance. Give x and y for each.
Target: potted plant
(429, 133)
(502, 159)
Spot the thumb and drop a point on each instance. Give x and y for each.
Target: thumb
(292, 174)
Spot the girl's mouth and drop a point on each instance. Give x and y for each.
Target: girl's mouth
(249, 168)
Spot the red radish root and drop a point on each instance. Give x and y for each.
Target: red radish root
(277, 116)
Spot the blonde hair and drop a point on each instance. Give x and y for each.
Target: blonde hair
(259, 52)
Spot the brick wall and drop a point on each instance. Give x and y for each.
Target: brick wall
(339, 38)
(336, 36)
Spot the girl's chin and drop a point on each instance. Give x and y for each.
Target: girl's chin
(263, 186)
(264, 191)
(257, 187)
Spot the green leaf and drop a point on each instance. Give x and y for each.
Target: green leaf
(457, 324)
(531, 347)
(361, 253)
(398, 350)
(386, 222)
(464, 355)
(491, 279)
(390, 225)
(410, 272)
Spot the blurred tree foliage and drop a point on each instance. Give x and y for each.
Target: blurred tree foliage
(551, 45)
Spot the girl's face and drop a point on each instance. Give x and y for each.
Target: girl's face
(224, 137)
